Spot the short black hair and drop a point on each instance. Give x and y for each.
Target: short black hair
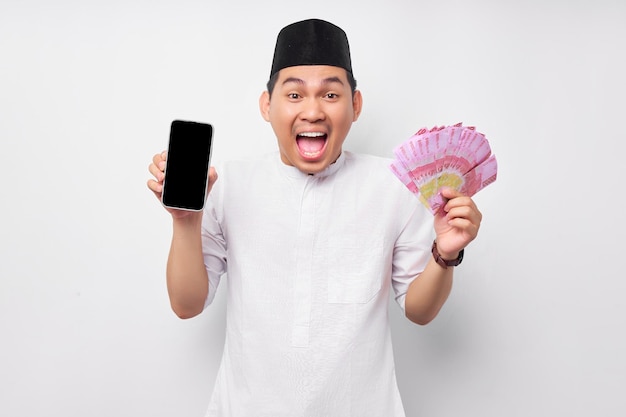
(272, 82)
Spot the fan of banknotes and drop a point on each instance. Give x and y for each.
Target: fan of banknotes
(455, 156)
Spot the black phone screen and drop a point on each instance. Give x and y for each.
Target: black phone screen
(187, 165)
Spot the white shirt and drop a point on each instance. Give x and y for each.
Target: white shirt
(310, 260)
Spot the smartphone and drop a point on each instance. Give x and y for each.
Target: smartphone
(187, 165)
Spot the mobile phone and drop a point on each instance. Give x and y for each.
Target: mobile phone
(187, 165)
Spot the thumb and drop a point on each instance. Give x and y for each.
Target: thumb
(212, 178)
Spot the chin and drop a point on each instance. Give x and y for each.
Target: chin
(309, 167)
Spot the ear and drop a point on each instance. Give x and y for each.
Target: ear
(357, 104)
(264, 105)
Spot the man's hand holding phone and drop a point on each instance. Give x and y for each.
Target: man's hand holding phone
(182, 174)
(157, 169)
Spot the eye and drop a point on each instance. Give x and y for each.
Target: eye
(293, 96)
(332, 96)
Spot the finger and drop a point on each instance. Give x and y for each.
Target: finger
(466, 227)
(155, 187)
(450, 193)
(465, 212)
(465, 219)
(156, 172)
(460, 201)
(159, 160)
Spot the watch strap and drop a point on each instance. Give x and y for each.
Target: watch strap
(444, 263)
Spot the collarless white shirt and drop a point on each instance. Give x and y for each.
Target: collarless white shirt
(309, 263)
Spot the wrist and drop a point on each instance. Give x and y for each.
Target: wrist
(188, 221)
(447, 259)
(449, 256)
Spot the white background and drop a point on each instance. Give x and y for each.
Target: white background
(535, 324)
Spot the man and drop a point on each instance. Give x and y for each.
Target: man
(313, 238)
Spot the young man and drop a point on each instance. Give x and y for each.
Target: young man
(312, 238)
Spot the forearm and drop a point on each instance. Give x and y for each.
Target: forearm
(456, 225)
(428, 292)
(187, 281)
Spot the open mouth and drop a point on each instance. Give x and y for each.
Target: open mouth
(311, 145)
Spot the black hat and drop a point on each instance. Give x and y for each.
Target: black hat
(311, 42)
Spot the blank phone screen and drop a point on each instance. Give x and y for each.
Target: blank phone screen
(187, 165)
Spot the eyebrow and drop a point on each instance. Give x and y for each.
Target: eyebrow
(325, 81)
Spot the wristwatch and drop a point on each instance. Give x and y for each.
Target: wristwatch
(445, 264)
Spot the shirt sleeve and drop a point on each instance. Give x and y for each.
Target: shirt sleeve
(213, 248)
(411, 252)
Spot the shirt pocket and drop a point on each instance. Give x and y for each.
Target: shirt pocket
(356, 270)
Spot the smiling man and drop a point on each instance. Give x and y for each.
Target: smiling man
(313, 239)
(311, 110)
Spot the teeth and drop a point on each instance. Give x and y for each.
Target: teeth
(312, 134)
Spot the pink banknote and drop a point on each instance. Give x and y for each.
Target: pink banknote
(455, 156)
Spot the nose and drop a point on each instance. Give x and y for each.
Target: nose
(312, 110)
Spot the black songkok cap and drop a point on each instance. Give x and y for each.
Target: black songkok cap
(311, 42)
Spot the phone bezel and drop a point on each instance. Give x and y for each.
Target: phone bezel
(206, 182)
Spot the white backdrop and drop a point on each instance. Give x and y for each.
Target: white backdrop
(535, 324)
